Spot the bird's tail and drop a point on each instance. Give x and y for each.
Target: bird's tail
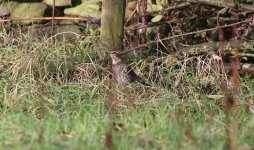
(142, 81)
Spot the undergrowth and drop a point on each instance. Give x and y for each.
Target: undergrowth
(59, 98)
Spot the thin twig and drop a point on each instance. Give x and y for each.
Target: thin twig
(143, 11)
(132, 14)
(140, 26)
(179, 6)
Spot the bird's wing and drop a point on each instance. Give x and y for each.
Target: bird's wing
(120, 71)
(134, 77)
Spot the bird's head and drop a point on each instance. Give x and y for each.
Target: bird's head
(115, 56)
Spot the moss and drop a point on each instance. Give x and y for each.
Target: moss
(29, 10)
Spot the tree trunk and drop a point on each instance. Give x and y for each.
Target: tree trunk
(112, 24)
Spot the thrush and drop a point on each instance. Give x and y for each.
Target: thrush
(123, 72)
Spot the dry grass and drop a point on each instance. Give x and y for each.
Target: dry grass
(64, 98)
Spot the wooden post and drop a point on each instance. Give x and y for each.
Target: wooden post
(112, 24)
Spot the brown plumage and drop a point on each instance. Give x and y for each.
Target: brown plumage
(122, 72)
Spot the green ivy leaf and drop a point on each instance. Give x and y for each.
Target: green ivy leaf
(157, 18)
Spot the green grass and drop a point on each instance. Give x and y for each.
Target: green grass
(53, 99)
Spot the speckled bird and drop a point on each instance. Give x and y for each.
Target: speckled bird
(122, 72)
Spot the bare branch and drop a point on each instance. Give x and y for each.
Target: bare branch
(185, 34)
